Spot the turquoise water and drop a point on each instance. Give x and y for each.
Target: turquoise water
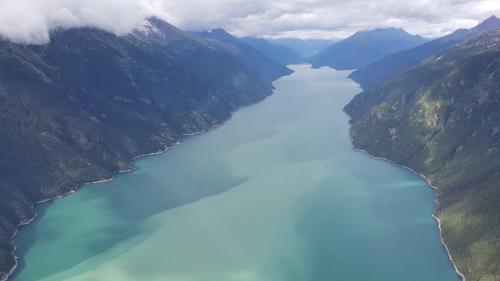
(276, 194)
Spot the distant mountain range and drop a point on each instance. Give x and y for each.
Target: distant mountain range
(307, 48)
(385, 68)
(365, 47)
(278, 52)
(79, 108)
(441, 118)
(267, 68)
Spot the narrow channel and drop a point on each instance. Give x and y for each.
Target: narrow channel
(275, 194)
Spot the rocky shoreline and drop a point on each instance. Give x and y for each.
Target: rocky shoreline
(7, 276)
(430, 185)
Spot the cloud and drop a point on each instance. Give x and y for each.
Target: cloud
(30, 21)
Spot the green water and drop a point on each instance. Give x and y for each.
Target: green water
(275, 194)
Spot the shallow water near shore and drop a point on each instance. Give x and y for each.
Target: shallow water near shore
(276, 194)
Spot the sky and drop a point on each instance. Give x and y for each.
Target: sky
(30, 21)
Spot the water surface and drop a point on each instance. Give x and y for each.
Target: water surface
(275, 194)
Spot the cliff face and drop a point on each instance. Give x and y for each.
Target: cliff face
(442, 119)
(79, 108)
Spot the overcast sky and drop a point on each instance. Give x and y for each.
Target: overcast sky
(30, 20)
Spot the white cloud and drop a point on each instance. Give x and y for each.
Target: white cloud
(31, 20)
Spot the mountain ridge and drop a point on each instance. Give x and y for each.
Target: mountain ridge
(81, 107)
(305, 47)
(278, 52)
(440, 118)
(250, 56)
(383, 69)
(365, 47)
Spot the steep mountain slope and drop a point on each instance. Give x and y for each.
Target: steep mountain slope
(442, 119)
(365, 47)
(255, 60)
(383, 69)
(79, 108)
(275, 51)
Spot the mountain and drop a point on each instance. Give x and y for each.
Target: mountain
(277, 52)
(365, 47)
(385, 68)
(254, 59)
(79, 108)
(304, 47)
(442, 119)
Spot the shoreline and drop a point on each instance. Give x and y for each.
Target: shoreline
(11, 272)
(29, 221)
(430, 185)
